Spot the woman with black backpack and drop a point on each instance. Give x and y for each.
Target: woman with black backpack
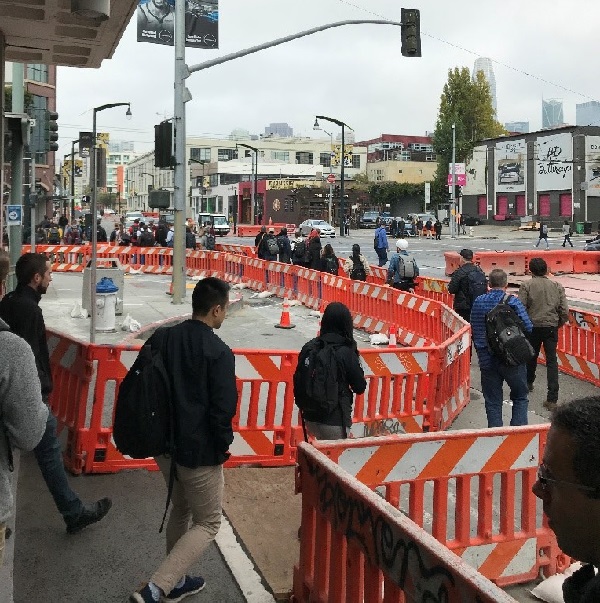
(329, 261)
(329, 363)
(357, 266)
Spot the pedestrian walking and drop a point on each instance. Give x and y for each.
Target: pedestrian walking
(543, 235)
(381, 244)
(347, 225)
(329, 261)
(394, 228)
(401, 228)
(467, 283)
(567, 232)
(546, 303)
(20, 310)
(403, 268)
(437, 227)
(420, 227)
(568, 481)
(494, 369)
(202, 370)
(357, 266)
(429, 229)
(313, 250)
(341, 372)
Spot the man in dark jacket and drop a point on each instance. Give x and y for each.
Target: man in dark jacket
(265, 251)
(20, 310)
(202, 368)
(285, 247)
(258, 241)
(101, 234)
(459, 284)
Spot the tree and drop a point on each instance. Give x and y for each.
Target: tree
(467, 103)
(391, 193)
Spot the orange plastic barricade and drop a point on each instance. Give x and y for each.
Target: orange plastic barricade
(245, 250)
(558, 261)
(512, 262)
(356, 547)
(433, 479)
(452, 262)
(586, 262)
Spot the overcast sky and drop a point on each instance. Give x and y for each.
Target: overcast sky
(354, 73)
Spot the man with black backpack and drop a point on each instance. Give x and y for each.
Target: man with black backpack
(200, 373)
(500, 325)
(467, 283)
(403, 268)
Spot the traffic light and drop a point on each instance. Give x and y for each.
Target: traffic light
(163, 145)
(457, 191)
(411, 32)
(50, 131)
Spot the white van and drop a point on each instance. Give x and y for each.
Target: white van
(218, 221)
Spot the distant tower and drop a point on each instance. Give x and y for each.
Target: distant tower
(552, 113)
(587, 114)
(484, 65)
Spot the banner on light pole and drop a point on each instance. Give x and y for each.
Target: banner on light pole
(156, 22)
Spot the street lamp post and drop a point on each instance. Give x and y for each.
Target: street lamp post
(94, 233)
(342, 201)
(72, 183)
(253, 212)
(203, 163)
(330, 209)
(150, 186)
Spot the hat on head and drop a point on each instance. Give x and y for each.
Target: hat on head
(467, 254)
(402, 244)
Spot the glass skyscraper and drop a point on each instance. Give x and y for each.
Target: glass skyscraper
(484, 65)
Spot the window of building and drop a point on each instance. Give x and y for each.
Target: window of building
(356, 161)
(304, 158)
(229, 178)
(227, 154)
(214, 180)
(281, 156)
(325, 159)
(431, 157)
(201, 153)
(404, 156)
(37, 72)
(39, 104)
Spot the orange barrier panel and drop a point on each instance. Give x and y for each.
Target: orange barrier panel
(510, 261)
(245, 250)
(432, 477)
(251, 230)
(452, 262)
(558, 261)
(586, 262)
(355, 547)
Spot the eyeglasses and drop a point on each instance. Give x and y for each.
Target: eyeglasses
(542, 476)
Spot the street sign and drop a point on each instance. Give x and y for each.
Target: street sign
(461, 179)
(14, 214)
(331, 178)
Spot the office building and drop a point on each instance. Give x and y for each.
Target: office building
(587, 114)
(484, 65)
(518, 127)
(281, 130)
(552, 113)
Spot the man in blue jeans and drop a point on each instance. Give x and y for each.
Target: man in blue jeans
(381, 244)
(493, 372)
(20, 310)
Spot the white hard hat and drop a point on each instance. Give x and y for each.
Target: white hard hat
(402, 244)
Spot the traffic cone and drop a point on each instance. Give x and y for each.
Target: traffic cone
(170, 291)
(284, 321)
(392, 335)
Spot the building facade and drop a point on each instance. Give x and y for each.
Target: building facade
(587, 114)
(551, 175)
(552, 114)
(517, 127)
(280, 130)
(484, 65)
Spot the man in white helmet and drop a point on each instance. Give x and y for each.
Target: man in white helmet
(403, 268)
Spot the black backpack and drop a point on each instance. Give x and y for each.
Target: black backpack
(190, 240)
(477, 284)
(300, 251)
(53, 236)
(506, 337)
(210, 242)
(272, 245)
(316, 378)
(331, 264)
(358, 272)
(146, 239)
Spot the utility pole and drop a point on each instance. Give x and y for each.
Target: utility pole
(453, 186)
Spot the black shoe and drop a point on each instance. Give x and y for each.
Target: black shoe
(91, 513)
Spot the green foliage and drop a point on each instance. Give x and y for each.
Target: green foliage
(467, 103)
(388, 192)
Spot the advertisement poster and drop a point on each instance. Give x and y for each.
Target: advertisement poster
(554, 162)
(511, 160)
(592, 165)
(476, 172)
(156, 22)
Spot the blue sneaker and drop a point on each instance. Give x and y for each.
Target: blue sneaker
(191, 586)
(144, 595)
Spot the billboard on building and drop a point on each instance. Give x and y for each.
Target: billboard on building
(510, 157)
(592, 165)
(476, 170)
(156, 22)
(554, 162)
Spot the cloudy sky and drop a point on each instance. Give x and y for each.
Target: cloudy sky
(354, 73)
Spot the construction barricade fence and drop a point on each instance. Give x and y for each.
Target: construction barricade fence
(355, 547)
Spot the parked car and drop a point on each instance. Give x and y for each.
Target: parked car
(369, 219)
(218, 221)
(325, 229)
(472, 220)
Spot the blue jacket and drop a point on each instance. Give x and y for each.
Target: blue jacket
(381, 238)
(481, 306)
(395, 264)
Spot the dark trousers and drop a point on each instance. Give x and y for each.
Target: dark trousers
(567, 240)
(382, 255)
(548, 337)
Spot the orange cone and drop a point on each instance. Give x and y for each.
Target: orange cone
(284, 321)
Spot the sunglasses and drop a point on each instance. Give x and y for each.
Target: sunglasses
(545, 481)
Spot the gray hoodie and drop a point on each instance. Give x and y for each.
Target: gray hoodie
(22, 413)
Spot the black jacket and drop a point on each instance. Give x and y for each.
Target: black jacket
(351, 378)
(314, 253)
(203, 371)
(285, 249)
(583, 586)
(459, 286)
(324, 265)
(20, 310)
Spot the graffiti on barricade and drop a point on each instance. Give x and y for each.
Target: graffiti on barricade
(383, 542)
(383, 427)
(583, 320)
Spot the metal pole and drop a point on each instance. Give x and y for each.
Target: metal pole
(254, 191)
(342, 204)
(181, 94)
(94, 235)
(452, 198)
(73, 180)
(253, 216)
(32, 199)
